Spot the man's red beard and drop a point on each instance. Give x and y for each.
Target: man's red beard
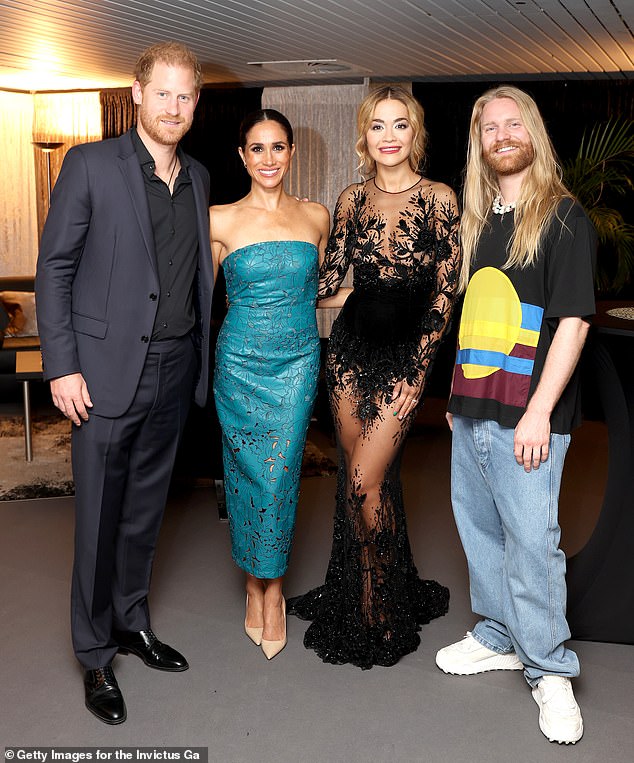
(155, 128)
(512, 162)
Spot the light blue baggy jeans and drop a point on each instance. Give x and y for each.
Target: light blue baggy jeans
(508, 523)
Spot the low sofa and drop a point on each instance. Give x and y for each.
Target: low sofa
(18, 323)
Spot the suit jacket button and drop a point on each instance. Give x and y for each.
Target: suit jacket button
(153, 297)
(145, 338)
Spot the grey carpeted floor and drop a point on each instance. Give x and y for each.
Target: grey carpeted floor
(295, 708)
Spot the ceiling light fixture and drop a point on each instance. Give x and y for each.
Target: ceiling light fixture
(308, 66)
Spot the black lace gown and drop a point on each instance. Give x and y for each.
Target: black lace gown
(405, 253)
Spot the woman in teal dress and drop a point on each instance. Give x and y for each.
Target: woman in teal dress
(267, 361)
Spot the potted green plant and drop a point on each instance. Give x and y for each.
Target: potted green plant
(600, 177)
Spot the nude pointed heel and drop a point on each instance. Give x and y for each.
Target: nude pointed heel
(255, 634)
(271, 648)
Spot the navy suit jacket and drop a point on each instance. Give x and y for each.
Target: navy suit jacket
(97, 277)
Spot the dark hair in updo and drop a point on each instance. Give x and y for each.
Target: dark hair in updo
(264, 115)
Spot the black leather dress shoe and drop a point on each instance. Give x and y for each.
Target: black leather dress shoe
(103, 696)
(153, 652)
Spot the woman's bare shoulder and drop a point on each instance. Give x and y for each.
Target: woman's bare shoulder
(224, 210)
(223, 222)
(316, 211)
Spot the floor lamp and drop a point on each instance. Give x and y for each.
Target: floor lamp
(47, 147)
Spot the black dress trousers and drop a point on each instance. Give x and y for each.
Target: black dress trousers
(122, 469)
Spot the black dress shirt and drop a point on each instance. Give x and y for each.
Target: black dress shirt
(175, 242)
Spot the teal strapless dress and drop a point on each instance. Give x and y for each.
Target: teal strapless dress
(267, 362)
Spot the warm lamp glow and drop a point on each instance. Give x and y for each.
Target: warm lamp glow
(33, 81)
(43, 64)
(60, 120)
(47, 147)
(58, 116)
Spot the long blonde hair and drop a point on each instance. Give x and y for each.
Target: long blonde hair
(367, 165)
(540, 194)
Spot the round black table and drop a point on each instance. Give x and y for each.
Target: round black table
(600, 577)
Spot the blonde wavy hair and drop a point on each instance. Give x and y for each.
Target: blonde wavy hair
(172, 53)
(367, 165)
(540, 194)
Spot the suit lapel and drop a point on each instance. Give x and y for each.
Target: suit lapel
(202, 215)
(133, 176)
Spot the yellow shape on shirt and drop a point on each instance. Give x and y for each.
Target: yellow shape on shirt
(491, 318)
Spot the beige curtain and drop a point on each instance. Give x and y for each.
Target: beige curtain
(324, 126)
(18, 221)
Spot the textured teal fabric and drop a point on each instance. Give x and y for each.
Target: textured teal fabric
(267, 363)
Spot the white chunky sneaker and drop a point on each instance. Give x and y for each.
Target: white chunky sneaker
(468, 657)
(559, 715)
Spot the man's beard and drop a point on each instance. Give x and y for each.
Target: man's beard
(154, 127)
(511, 163)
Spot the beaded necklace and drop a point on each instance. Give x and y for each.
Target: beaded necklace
(499, 208)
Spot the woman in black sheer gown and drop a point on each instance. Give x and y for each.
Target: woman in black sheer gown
(400, 233)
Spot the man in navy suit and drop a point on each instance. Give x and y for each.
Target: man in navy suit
(123, 285)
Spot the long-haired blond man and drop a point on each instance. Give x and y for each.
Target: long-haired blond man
(528, 258)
